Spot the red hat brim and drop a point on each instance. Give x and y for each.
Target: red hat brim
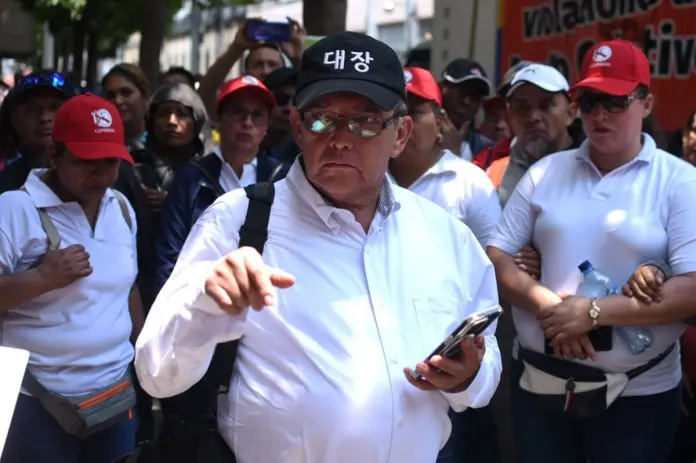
(608, 85)
(93, 150)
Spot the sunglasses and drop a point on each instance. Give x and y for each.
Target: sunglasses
(611, 104)
(365, 126)
(54, 79)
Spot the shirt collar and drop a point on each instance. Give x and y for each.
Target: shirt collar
(42, 196)
(446, 164)
(645, 155)
(299, 184)
(218, 152)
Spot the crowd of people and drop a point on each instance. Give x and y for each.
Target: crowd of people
(256, 269)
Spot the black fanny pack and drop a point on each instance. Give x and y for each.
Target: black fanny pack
(572, 388)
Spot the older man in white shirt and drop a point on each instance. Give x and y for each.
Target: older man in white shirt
(379, 278)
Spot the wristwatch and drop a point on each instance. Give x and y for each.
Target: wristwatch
(594, 313)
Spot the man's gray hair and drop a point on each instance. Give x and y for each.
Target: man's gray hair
(401, 109)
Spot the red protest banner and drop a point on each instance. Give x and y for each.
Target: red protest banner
(560, 32)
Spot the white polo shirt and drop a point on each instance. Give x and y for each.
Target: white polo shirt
(78, 336)
(319, 376)
(644, 210)
(465, 191)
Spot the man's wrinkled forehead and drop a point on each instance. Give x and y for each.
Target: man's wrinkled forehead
(345, 102)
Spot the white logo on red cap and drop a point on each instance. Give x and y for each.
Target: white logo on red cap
(250, 80)
(408, 76)
(601, 54)
(102, 118)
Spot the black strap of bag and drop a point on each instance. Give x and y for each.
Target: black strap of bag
(565, 369)
(253, 233)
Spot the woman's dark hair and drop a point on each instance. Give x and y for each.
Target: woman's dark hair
(652, 128)
(642, 91)
(689, 122)
(134, 74)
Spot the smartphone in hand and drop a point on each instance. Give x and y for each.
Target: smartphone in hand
(267, 31)
(472, 326)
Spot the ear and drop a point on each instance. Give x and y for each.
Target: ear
(296, 125)
(438, 125)
(571, 114)
(648, 105)
(403, 133)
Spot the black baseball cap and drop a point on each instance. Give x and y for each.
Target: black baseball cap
(504, 87)
(43, 79)
(465, 70)
(351, 62)
(280, 77)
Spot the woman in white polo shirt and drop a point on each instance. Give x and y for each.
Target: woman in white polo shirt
(617, 201)
(71, 306)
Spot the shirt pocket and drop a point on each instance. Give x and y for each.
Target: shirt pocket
(437, 317)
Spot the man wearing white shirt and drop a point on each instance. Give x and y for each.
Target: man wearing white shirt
(466, 192)
(456, 185)
(379, 278)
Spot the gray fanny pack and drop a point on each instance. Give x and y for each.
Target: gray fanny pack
(86, 415)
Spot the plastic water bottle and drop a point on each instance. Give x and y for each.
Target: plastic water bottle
(596, 285)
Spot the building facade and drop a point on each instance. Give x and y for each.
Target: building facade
(388, 19)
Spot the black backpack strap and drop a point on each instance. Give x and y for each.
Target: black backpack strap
(253, 233)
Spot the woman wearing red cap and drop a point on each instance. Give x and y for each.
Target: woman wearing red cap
(67, 272)
(583, 389)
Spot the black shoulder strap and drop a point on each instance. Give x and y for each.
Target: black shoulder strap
(254, 233)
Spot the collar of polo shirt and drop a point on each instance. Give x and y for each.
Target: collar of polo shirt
(646, 154)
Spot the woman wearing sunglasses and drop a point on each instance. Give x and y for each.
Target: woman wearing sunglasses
(579, 391)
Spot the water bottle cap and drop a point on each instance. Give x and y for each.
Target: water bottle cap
(585, 266)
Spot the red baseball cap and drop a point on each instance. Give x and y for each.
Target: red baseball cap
(246, 83)
(615, 67)
(420, 82)
(91, 128)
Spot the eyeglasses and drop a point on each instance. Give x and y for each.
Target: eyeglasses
(612, 104)
(240, 114)
(54, 79)
(364, 126)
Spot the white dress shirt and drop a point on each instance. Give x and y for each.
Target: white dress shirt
(228, 177)
(465, 191)
(319, 375)
(644, 210)
(78, 336)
